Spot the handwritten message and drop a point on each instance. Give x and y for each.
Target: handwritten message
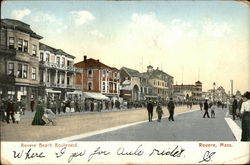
(121, 152)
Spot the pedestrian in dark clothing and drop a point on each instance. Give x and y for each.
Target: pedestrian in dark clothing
(112, 104)
(159, 112)
(3, 108)
(239, 106)
(206, 109)
(92, 106)
(32, 104)
(10, 111)
(234, 107)
(150, 108)
(171, 107)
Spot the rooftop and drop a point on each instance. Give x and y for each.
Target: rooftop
(19, 25)
(131, 72)
(92, 63)
(45, 47)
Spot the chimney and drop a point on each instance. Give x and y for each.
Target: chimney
(97, 60)
(85, 58)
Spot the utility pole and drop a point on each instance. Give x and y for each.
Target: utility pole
(232, 92)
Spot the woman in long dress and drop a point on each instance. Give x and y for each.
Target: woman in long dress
(37, 120)
(245, 110)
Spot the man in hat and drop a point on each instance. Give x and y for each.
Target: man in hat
(150, 108)
(245, 110)
(234, 107)
(206, 109)
(171, 109)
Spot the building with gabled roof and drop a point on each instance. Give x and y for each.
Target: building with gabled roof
(99, 79)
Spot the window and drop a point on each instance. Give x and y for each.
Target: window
(48, 73)
(22, 71)
(33, 73)
(89, 86)
(11, 69)
(90, 73)
(25, 71)
(34, 50)
(114, 86)
(68, 80)
(41, 56)
(25, 46)
(41, 76)
(63, 61)
(103, 86)
(58, 78)
(58, 61)
(47, 57)
(110, 86)
(20, 44)
(19, 71)
(62, 79)
(11, 42)
(103, 73)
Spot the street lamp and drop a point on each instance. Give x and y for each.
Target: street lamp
(214, 91)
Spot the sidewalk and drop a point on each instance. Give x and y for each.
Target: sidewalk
(75, 123)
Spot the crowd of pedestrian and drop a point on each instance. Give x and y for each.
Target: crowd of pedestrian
(11, 109)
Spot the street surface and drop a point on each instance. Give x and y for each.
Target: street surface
(189, 126)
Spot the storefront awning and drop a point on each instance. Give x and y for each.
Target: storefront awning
(75, 93)
(93, 95)
(52, 91)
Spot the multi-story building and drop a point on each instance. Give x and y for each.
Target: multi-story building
(130, 84)
(160, 82)
(99, 80)
(188, 92)
(217, 94)
(19, 66)
(58, 74)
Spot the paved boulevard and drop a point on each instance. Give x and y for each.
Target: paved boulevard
(188, 126)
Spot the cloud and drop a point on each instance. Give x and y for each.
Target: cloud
(96, 33)
(81, 17)
(19, 14)
(61, 29)
(44, 17)
(210, 28)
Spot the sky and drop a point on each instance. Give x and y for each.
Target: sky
(190, 40)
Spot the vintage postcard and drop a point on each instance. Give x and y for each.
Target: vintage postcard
(125, 82)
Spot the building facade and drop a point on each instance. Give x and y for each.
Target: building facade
(130, 84)
(58, 75)
(19, 61)
(160, 82)
(188, 92)
(99, 81)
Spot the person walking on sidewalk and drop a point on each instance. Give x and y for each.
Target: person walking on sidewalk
(10, 111)
(159, 112)
(234, 106)
(150, 108)
(206, 109)
(37, 120)
(171, 107)
(213, 110)
(245, 110)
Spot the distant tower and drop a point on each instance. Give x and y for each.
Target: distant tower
(149, 68)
